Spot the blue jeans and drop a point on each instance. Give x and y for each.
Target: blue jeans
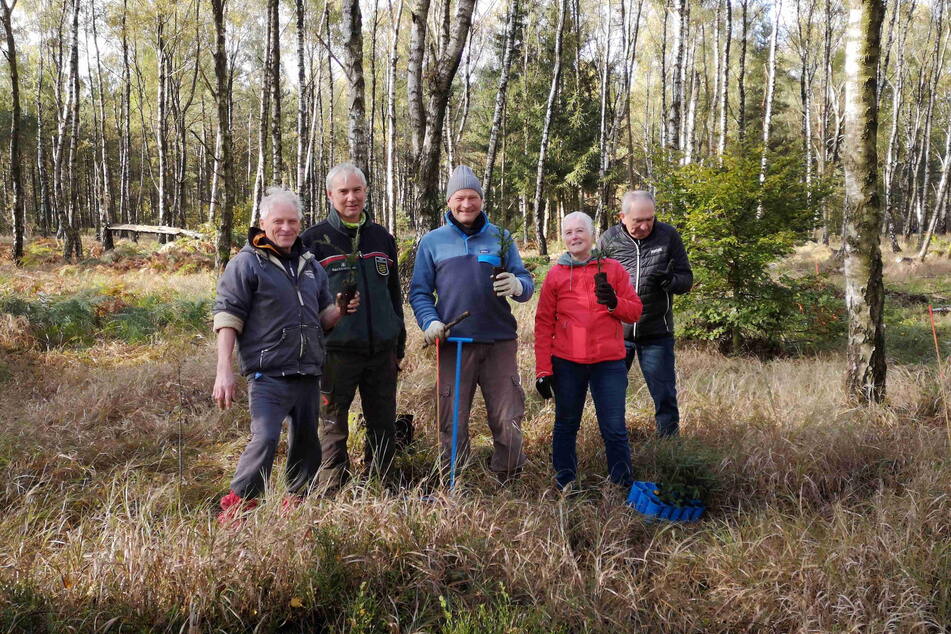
(656, 358)
(608, 381)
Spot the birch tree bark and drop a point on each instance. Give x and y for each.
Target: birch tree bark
(16, 174)
(274, 86)
(427, 125)
(501, 96)
(303, 101)
(352, 27)
(770, 88)
(223, 162)
(546, 128)
(725, 81)
(161, 120)
(106, 213)
(263, 114)
(674, 116)
(391, 119)
(864, 290)
(741, 74)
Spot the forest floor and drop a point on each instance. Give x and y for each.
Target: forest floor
(828, 515)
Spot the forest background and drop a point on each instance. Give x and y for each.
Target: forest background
(831, 502)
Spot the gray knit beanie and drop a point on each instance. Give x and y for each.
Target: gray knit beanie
(463, 178)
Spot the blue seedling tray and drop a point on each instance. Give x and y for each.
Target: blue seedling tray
(643, 498)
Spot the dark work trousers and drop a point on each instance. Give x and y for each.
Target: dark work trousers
(272, 399)
(608, 383)
(375, 375)
(656, 358)
(493, 367)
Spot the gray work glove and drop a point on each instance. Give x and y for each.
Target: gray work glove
(436, 330)
(507, 285)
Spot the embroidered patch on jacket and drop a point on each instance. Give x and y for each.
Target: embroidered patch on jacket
(382, 265)
(657, 250)
(309, 273)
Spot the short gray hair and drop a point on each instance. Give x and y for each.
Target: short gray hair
(275, 195)
(634, 195)
(341, 169)
(585, 219)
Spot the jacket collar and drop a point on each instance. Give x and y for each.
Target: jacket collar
(259, 240)
(482, 220)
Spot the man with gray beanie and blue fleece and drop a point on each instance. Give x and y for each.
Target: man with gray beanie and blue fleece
(455, 263)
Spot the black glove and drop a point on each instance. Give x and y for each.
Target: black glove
(661, 279)
(606, 295)
(543, 385)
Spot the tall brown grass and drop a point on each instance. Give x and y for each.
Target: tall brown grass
(830, 516)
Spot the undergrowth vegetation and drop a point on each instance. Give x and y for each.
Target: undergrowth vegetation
(823, 515)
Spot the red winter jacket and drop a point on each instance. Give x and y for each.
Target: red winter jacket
(569, 321)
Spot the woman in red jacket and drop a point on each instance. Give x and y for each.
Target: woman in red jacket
(579, 342)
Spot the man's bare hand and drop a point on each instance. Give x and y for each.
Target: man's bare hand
(224, 388)
(353, 305)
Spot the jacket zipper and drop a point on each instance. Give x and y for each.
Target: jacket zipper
(302, 262)
(637, 281)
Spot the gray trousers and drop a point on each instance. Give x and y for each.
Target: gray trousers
(493, 367)
(272, 399)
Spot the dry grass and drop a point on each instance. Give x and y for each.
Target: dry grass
(830, 517)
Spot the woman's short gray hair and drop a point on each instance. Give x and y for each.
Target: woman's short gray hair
(276, 195)
(341, 169)
(585, 219)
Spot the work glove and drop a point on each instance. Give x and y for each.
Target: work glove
(661, 279)
(436, 330)
(507, 285)
(605, 294)
(543, 385)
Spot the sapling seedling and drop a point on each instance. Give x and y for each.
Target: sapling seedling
(349, 288)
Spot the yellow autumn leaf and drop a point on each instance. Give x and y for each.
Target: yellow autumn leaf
(296, 602)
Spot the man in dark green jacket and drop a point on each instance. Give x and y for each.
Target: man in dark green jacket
(366, 350)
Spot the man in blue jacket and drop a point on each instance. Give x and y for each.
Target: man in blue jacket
(274, 301)
(455, 263)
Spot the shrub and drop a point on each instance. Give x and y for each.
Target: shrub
(683, 468)
(734, 228)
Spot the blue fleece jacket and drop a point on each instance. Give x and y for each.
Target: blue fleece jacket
(457, 269)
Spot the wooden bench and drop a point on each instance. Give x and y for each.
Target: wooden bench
(135, 230)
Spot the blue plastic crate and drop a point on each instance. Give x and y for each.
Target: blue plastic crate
(643, 499)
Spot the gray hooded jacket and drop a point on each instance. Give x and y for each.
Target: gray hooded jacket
(275, 308)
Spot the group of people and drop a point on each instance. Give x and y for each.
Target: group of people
(305, 333)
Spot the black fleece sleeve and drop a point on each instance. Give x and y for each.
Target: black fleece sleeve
(683, 275)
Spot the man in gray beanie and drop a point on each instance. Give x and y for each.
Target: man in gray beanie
(473, 265)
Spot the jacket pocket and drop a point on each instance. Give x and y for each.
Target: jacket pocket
(312, 346)
(284, 354)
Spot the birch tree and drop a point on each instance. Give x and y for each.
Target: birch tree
(511, 25)
(353, 64)
(864, 291)
(16, 174)
(546, 128)
(223, 162)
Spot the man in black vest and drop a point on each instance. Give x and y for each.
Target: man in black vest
(366, 350)
(655, 258)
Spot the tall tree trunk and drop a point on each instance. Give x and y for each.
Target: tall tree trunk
(223, 160)
(741, 76)
(16, 174)
(511, 25)
(72, 246)
(263, 113)
(303, 102)
(864, 290)
(274, 85)
(161, 123)
(43, 198)
(125, 149)
(428, 140)
(770, 89)
(353, 64)
(543, 145)
(391, 119)
(677, 79)
(605, 80)
(725, 81)
(106, 211)
(940, 197)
